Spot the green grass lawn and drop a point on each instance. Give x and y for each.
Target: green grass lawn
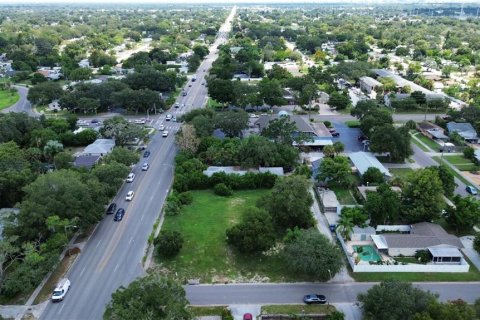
(207, 311)
(213, 104)
(206, 256)
(297, 309)
(7, 98)
(419, 144)
(344, 196)
(353, 123)
(401, 172)
(429, 142)
(460, 162)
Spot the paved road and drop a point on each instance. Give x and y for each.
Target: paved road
(397, 117)
(22, 105)
(113, 255)
(293, 293)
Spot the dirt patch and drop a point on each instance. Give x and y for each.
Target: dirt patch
(234, 202)
(57, 274)
(474, 177)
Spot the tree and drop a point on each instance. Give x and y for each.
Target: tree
(255, 233)
(111, 174)
(283, 130)
(52, 147)
(338, 147)
(271, 92)
(203, 126)
(63, 160)
(289, 203)
(151, 297)
(121, 130)
(231, 122)
(201, 51)
(168, 243)
(383, 206)
(194, 62)
(338, 100)
(373, 175)
(45, 92)
(456, 309)
(374, 117)
(329, 151)
(422, 196)
(394, 300)
(345, 226)
(122, 155)
(465, 214)
(187, 139)
(447, 178)
(335, 169)
(395, 141)
(356, 214)
(221, 90)
(38, 78)
(419, 96)
(313, 254)
(469, 153)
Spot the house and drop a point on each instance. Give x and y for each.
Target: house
(432, 131)
(54, 106)
(99, 147)
(464, 129)
(84, 63)
(235, 50)
(368, 84)
(364, 160)
(389, 99)
(361, 234)
(50, 73)
(443, 247)
(477, 155)
(210, 171)
(86, 161)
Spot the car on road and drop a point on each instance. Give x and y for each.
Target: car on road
(131, 177)
(95, 121)
(253, 115)
(184, 93)
(111, 208)
(140, 121)
(176, 105)
(203, 83)
(168, 117)
(129, 196)
(315, 298)
(165, 133)
(161, 127)
(247, 316)
(146, 154)
(119, 215)
(334, 132)
(183, 105)
(190, 85)
(174, 119)
(82, 123)
(145, 166)
(471, 190)
(61, 290)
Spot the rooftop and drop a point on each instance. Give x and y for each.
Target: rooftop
(464, 129)
(371, 82)
(364, 160)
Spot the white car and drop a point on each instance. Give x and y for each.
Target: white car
(145, 167)
(174, 119)
(165, 133)
(130, 195)
(161, 127)
(61, 290)
(131, 177)
(176, 105)
(140, 121)
(168, 117)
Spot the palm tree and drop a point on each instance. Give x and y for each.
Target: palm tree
(345, 226)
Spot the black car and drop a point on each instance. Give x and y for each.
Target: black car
(315, 298)
(146, 154)
(119, 215)
(335, 133)
(111, 208)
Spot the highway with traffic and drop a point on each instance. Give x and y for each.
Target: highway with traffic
(113, 255)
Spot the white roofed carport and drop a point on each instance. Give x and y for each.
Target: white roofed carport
(379, 241)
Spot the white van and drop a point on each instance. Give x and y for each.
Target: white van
(61, 290)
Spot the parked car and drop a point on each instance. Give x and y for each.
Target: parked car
(145, 167)
(471, 190)
(334, 133)
(119, 215)
(177, 105)
(247, 316)
(146, 154)
(165, 133)
(129, 196)
(131, 177)
(315, 298)
(61, 290)
(111, 208)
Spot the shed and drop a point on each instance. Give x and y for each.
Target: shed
(364, 160)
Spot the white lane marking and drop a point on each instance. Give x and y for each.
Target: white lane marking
(116, 267)
(61, 308)
(83, 270)
(98, 243)
(141, 219)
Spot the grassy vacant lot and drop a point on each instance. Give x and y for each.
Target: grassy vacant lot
(297, 309)
(7, 98)
(206, 256)
(472, 275)
(460, 162)
(344, 196)
(401, 172)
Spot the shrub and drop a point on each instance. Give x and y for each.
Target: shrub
(169, 244)
(328, 124)
(171, 208)
(222, 189)
(372, 175)
(185, 198)
(226, 314)
(411, 124)
(423, 256)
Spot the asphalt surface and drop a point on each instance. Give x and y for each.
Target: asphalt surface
(22, 105)
(112, 257)
(293, 293)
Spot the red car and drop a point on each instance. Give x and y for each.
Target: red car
(247, 316)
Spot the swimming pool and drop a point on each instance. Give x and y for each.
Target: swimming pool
(368, 253)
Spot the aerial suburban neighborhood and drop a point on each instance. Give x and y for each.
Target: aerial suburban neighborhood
(239, 160)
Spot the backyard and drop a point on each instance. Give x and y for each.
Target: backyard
(402, 173)
(206, 256)
(7, 98)
(344, 196)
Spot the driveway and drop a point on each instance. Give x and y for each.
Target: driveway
(348, 136)
(468, 250)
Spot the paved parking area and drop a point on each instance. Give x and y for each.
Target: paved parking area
(348, 136)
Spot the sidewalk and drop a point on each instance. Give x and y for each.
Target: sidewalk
(471, 253)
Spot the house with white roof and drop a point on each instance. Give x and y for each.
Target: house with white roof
(364, 160)
(99, 147)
